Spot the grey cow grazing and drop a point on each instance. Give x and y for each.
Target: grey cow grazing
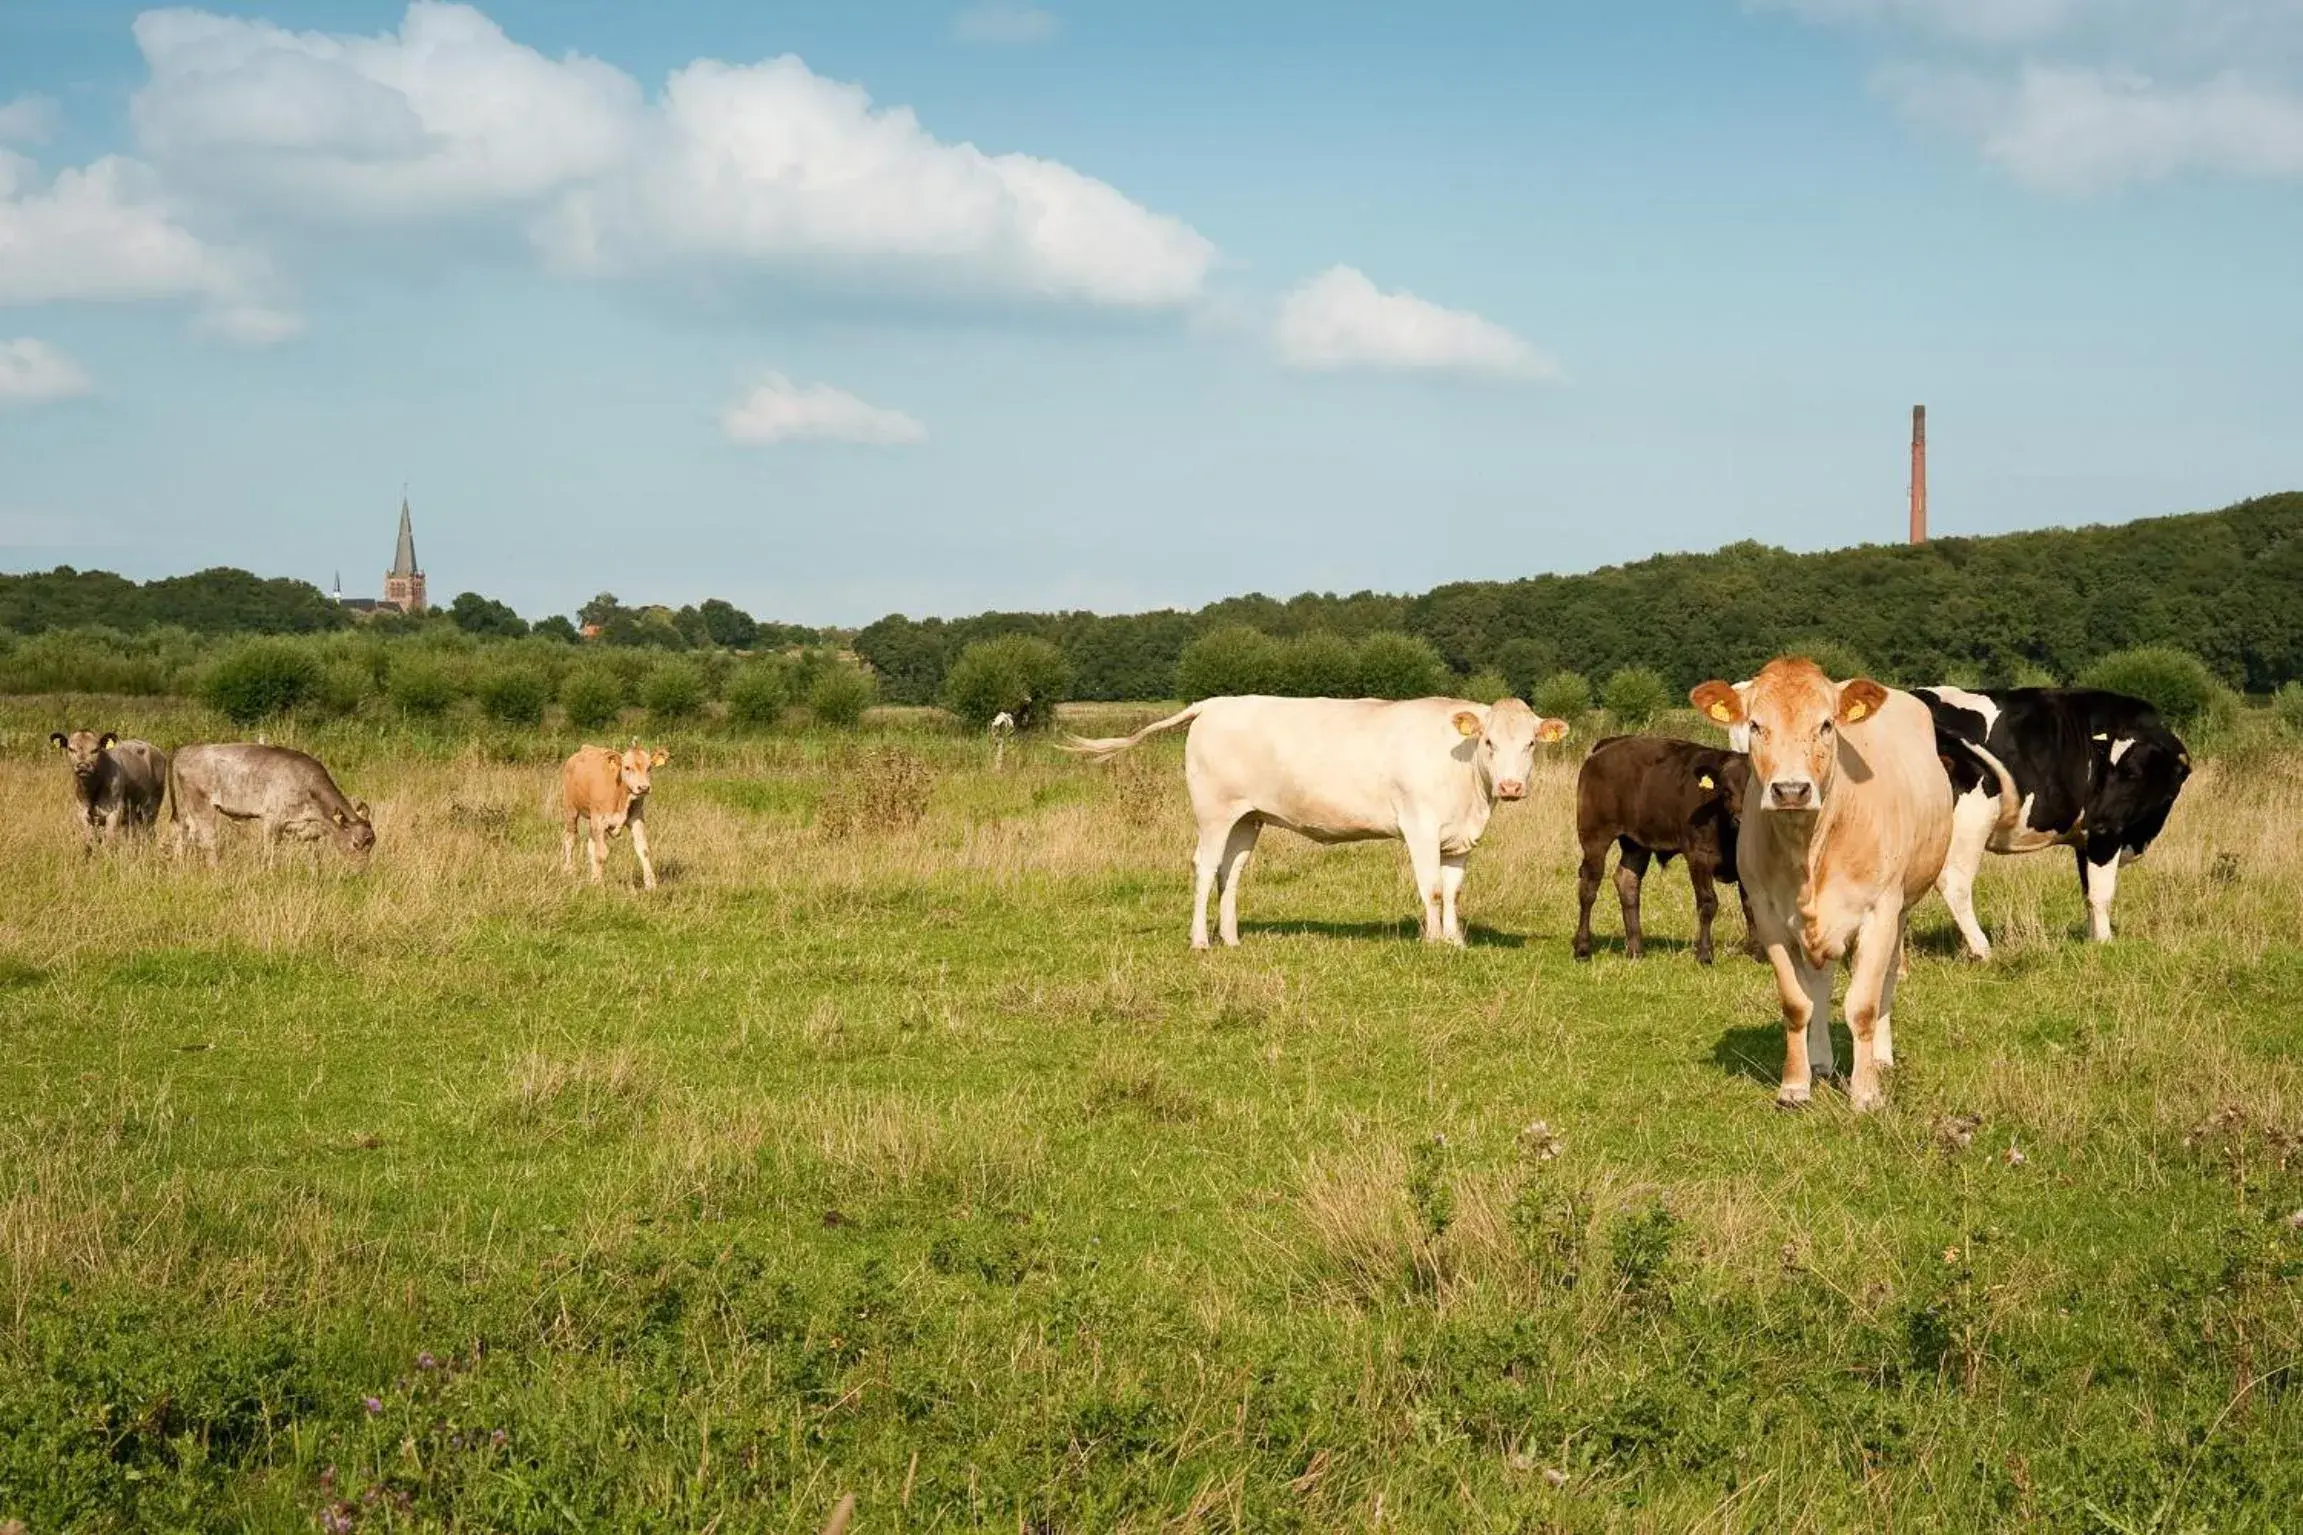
(119, 784)
(286, 793)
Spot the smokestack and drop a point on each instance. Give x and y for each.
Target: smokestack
(1919, 474)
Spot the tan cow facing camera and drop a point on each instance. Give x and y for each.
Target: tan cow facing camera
(608, 788)
(1845, 825)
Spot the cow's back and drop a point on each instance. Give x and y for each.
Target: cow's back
(1896, 801)
(247, 779)
(1648, 788)
(1328, 767)
(590, 780)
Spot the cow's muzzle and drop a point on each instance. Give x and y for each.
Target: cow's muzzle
(1512, 788)
(1790, 794)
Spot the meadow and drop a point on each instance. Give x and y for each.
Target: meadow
(897, 1145)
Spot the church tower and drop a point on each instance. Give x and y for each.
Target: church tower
(404, 582)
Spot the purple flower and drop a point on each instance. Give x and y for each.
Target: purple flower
(336, 1519)
(425, 1361)
(455, 1441)
(498, 1437)
(374, 1406)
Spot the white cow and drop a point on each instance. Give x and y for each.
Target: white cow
(1427, 771)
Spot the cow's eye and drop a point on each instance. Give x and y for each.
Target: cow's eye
(1828, 728)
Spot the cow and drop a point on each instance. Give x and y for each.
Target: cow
(1427, 771)
(118, 784)
(288, 794)
(1846, 824)
(609, 789)
(2098, 773)
(1658, 798)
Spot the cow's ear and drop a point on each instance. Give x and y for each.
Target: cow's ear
(1551, 730)
(1859, 700)
(361, 812)
(1706, 782)
(1466, 723)
(659, 758)
(59, 740)
(108, 741)
(1717, 702)
(339, 818)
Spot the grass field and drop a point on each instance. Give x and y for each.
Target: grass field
(897, 1145)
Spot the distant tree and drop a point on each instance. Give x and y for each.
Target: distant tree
(1395, 665)
(1525, 662)
(839, 695)
(1487, 687)
(727, 625)
(475, 614)
(1020, 675)
(600, 610)
(1561, 696)
(690, 623)
(1231, 660)
(1634, 696)
(2174, 682)
(556, 627)
(1321, 664)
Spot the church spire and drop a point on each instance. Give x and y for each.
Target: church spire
(404, 556)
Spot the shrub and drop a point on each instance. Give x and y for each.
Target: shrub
(1634, 696)
(556, 628)
(422, 685)
(2174, 682)
(840, 695)
(593, 696)
(1018, 674)
(674, 692)
(260, 678)
(1486, 687)
(514, 695)
(344, 685)
(759, 693)
(1561, 696)
(1393, 665)
(2287, 707)
(1320, 665)
(1228, 661)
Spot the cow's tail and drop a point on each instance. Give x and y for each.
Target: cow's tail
(1104, 748)
(2010, 799)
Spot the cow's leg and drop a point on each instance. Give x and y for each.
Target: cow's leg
(1451, 872)
(2099, 877)
(1805, 993)
(1237, 845)
(1706, 904)
(568, 842)
(1587, 880)
(640, 847)
(1972, 821)
(1876, 947)
(1431, 896)
(1883, 1030)
(596, 848)
(1207, 865)
(1628, 874)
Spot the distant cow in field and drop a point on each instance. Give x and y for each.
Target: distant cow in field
(1657, 798)
(609, 789)
(1427, 771)
(2098, 773)
(118, 784)
(1846, 822)
(288, 794)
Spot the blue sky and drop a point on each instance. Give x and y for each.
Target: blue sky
(1125, 306)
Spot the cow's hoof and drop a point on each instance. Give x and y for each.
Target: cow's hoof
(1582, 956)
(1792, 1097)
(1866, 1102)
(1703, 956)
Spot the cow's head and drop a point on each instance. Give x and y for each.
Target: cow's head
(634, 764)
(1722, 782)
(354, 829)
(1790, 716)
(1504, 742)
(2140, 778)
(84, 748)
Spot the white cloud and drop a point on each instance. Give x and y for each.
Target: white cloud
(32, 372)
(27, 120)
(105, 232)
(1340, 319)
(2080, 130)
(1004, 25)
(778, 410)
(765, 166)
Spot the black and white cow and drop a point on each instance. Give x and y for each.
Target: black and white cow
(2098, 772)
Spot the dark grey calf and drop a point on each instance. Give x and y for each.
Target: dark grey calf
(119, 784)
(286, 793)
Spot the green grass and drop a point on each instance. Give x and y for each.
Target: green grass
(927, 1163)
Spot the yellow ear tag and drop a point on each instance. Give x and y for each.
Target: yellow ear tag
(1721, 713)
(1857, 710)
(1467, 724)
(2102, 736)
(1706, 782)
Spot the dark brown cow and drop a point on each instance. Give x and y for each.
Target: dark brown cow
(1657, 798)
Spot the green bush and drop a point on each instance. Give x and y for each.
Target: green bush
(515, 695)
(1320, 665)
(592, 696)
(1230, 661)
(345, 684)
(1017, 674)
(2174, 682)
(1393, 665)
(2287, 707)
(1486, 687)
(422, 685)
(759, 693)
(261, 678)
(674, 692)
(1634, 696)
(1525, 662)
(1561, 696)
(840, 695)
